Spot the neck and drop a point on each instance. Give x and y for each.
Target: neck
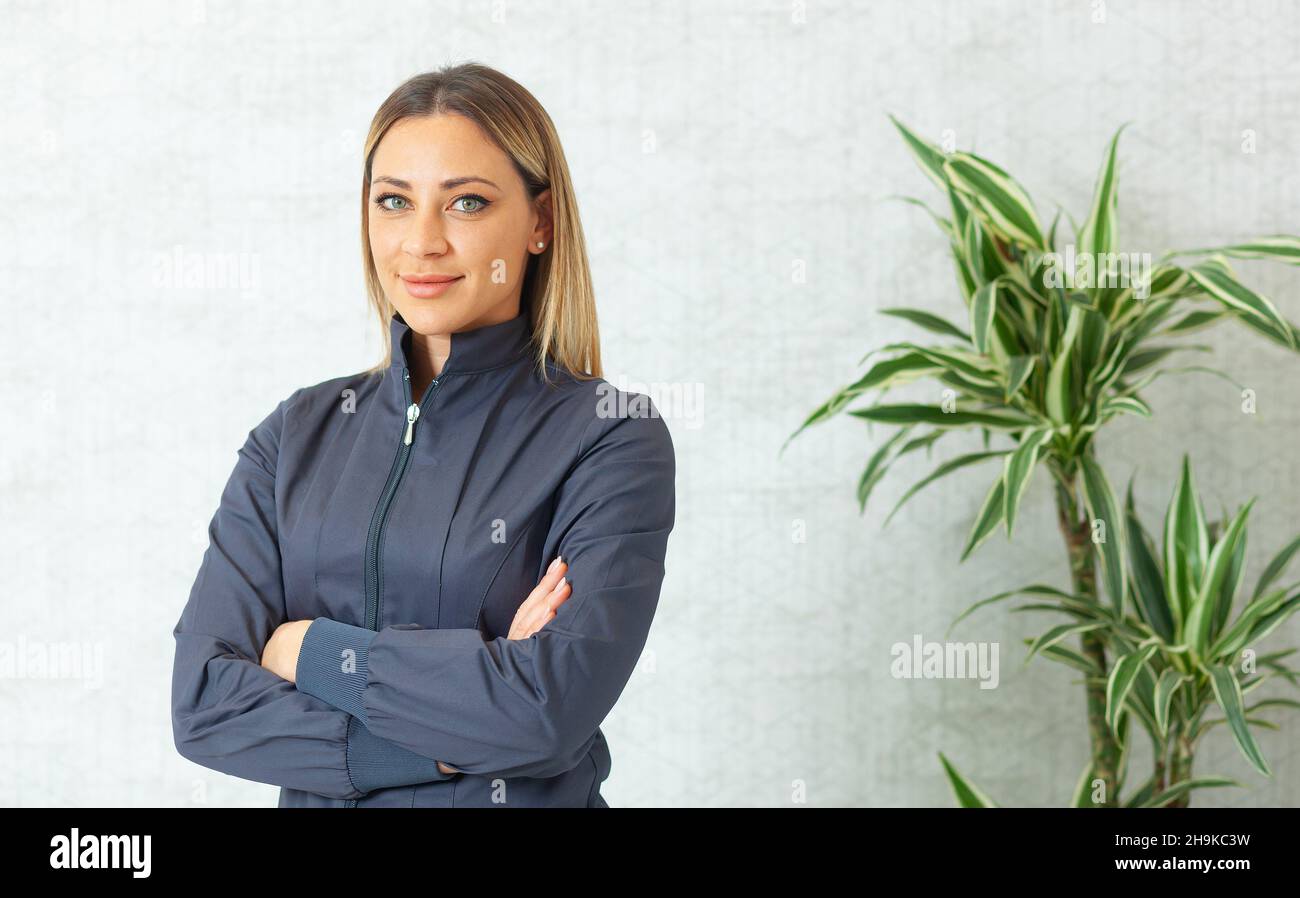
(428, 356)
(429, 352)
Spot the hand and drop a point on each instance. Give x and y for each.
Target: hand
(281, 653)
(281, 658)
(549, 593)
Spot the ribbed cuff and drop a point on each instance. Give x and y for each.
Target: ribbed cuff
(376, 763)
(333, 664)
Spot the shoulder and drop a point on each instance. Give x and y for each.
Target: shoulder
(612, 420)
(623, 470)
(302, 406)
(325, 395)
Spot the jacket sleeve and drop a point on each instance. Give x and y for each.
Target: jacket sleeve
(229, 712)
(527, 707)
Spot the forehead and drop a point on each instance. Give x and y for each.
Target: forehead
(426, 150)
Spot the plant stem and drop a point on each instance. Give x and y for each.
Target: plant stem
(1077, 532)
(1181, 767)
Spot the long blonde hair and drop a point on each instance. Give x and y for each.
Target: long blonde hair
(557, 290)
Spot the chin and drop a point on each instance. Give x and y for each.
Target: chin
(431, 317)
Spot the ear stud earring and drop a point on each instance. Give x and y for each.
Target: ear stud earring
(540, 244)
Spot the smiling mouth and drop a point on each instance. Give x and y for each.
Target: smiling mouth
(429, 289)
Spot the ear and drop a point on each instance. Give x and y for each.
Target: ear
(543, 229)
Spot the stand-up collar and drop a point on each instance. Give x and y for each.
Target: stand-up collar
(471, 351)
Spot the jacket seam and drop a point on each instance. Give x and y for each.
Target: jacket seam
(478, 614)
(320, 532)
(513, 361)
(347, 755)
(595, 776)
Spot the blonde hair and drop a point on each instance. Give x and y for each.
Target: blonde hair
(557, 291)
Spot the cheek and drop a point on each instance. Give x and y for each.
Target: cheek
(503, 268)
(384, 241)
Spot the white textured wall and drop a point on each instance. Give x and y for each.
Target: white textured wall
(131, 129)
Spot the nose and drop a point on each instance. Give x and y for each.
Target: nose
(425, 235)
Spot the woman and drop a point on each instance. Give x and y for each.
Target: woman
(355, 633)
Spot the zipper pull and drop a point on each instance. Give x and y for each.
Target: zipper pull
(412, 412)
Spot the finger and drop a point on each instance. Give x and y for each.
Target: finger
(537, 600)
(540, 623)
(550, 578)
(537, 617)
(559, 595)
(542, 590)
(553, 601)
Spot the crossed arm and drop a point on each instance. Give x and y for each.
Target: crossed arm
(284, 650)
(411, 696)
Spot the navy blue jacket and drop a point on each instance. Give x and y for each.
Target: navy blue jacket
(412, 558)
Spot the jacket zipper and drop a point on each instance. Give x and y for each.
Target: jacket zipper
(374, 574)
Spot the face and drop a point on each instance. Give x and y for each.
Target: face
(445, 202)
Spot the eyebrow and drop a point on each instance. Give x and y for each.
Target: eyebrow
(448, 184)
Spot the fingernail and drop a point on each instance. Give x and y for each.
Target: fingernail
(563, 580)
(554, 564)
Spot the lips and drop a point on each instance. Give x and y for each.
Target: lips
(426, 286)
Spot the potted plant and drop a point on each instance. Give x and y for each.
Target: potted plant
(1055, 343)
(1184, 647)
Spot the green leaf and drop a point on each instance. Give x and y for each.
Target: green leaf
(920, 413)
(1277, 248)
(942, 470)
(1227, 691)
(969, 366)
(1235, 638)
(1057, 633)
(1194, 321)
(883, 373)
(1019, 368)
(1167, 280)
(1273, 703)
(1003, 204)
(982, 307)
(1082, 795)
(1070, 657)
(1269, 622)
(966, 278)
(1019, 465)
(1099, 233)
(1269, 330)
(987, 519)
(876, 468)
(1147, 356)
(967, 793)
(1058, 378)
(1126, 390)
(1209, 595)
(1183, 787)
(1122, 677)
(1142, 794)
(1102, 506)
(926, 154)
(1125, 404)
(1166, 688)
(1235, 295)
(1276, 567)
(932, 323)
(1148, 585)
(1186, 545)
(1036, 589)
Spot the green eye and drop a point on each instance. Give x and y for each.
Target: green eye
(381, 199)
(473, 198)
